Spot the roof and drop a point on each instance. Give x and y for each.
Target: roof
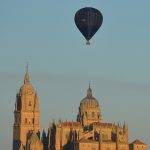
(87, 141)
(70, 123)
(89, 98)
(92, 141)
(33, 138)
(138, 142)
(104, 124)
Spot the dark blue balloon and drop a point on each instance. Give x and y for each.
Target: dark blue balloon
(88, 20)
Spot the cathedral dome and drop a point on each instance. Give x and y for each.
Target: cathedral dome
(89, 110)
(89, 101)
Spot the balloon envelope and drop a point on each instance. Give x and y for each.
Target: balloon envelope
(88, 20)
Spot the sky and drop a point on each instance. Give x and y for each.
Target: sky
(61, 65)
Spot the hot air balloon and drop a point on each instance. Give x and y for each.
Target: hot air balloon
(88, 20)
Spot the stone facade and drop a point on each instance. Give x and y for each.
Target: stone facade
(89, 132)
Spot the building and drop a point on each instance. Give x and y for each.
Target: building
(26, 128)
(89, 132)
(137, 145)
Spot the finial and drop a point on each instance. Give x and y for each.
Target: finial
(89, 85)
(27, 67)
(26, 77)
(124, 123)
(89, 91)
(118, 124)
(59, 121)
(125, 126)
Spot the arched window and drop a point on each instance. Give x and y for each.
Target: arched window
(33, 120)
(29, 103)
(86, 115)
(93, 114)
(26, 120)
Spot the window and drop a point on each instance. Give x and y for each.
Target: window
(25, 120)
(86, 115)
(93, 114)
(29, 103)
(33, 120)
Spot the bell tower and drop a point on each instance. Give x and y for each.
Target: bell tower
(26, 113)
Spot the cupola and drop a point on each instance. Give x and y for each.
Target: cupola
(89, 109)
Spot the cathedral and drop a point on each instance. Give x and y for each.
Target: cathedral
(88, 132)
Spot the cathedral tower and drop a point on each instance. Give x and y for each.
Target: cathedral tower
(26, 114)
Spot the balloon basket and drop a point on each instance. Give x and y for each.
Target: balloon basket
(87, 43)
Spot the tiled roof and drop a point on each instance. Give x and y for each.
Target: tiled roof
(138, 142)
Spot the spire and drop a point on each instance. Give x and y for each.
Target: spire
(89, 91)
(125, 126)
(26, 77)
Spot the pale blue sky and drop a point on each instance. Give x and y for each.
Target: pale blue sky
(61, 65)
